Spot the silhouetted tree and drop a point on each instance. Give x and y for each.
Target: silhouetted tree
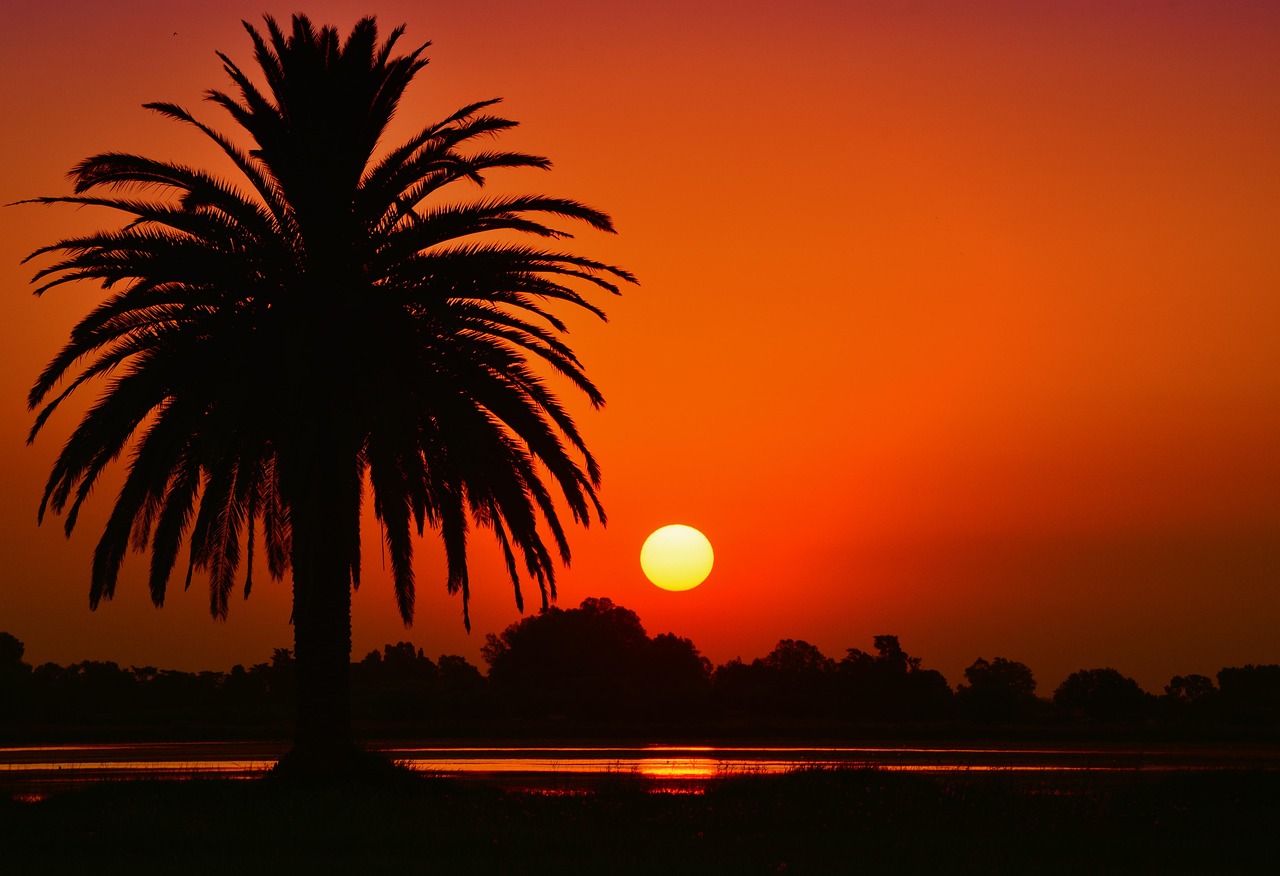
(891, 684)
(1102, 695)
(737, 686)
(999, 690)
(680, 677)
(1189, 697)
(796, 658)
(87, 693)
(1190, 688)
(458, 672)
(594, 661)
(794, 679)
(1250, 694)
(11, 651)
(463, 690)
(398, 684)
(246, 694)
(328, 319)
(15, 681)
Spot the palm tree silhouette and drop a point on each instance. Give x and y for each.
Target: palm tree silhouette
(327, 322)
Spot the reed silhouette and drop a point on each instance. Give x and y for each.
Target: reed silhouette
(325, 322)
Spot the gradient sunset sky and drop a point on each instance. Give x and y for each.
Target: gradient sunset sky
(958, 321)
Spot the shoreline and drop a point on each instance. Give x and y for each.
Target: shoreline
(37, 772)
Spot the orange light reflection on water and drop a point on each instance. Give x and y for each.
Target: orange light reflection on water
(31, 772)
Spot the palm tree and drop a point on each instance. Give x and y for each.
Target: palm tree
(326, 323)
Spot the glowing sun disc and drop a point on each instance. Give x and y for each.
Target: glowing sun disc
(677, 557)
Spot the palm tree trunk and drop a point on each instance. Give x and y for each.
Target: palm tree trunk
(322, 653)
(324, 507)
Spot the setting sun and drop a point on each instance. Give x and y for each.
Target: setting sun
(677, 557)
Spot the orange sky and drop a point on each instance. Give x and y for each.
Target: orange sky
(958, 321)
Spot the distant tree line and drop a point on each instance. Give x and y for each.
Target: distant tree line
(595, 667)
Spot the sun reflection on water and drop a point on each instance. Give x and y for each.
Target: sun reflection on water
(29, 773)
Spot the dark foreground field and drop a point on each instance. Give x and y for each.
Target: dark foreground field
(821, 821)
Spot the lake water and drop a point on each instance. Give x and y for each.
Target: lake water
(32, 772)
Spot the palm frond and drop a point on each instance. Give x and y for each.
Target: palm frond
(329, 291)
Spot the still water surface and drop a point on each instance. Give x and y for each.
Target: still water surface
(32, 772)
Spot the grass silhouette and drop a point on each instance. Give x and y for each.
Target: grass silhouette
(810, 821)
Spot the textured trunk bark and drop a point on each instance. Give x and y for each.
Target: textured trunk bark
(324, 505)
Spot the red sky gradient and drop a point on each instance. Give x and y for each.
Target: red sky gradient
(958, 321)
